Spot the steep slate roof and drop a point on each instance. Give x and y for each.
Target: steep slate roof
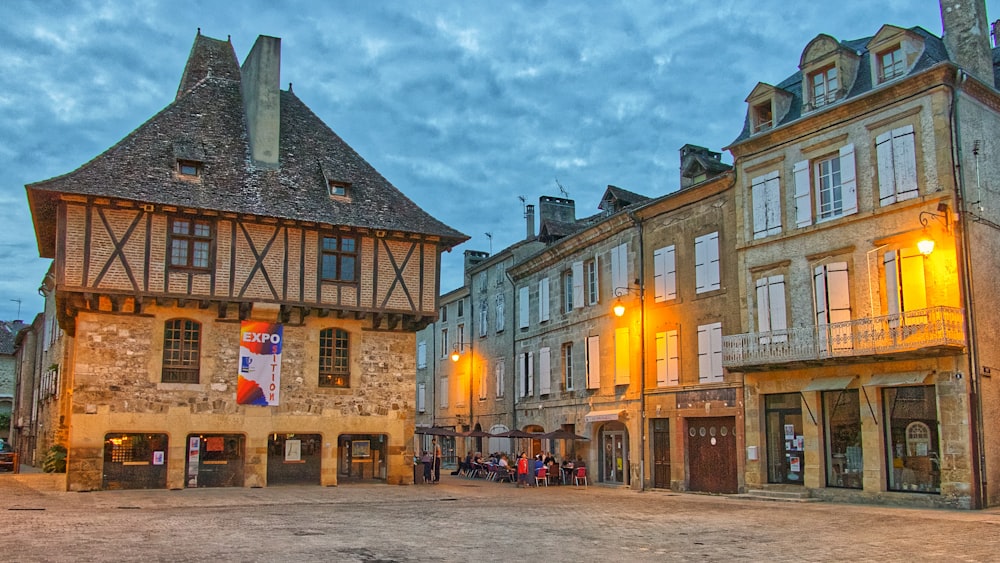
(934, 53)
(206, 122)
(621, 198)
(8, 333)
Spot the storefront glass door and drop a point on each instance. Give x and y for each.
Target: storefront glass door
(614, 456)
(785, 443)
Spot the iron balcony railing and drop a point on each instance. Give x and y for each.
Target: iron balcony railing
(890, 334)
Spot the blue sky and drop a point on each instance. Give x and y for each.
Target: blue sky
(464, 106)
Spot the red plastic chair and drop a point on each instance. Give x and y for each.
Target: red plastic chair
(543, 476)
(580, 475)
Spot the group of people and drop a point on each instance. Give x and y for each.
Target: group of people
(431, 461)
(546, 461)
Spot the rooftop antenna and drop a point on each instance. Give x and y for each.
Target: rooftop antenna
(18, 301)
(490, 236)
(562, 190)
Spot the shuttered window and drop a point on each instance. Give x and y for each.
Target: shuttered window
(833, 305)
(766, 198)
(664, 274)
(706, 266)
(667, 361)
(710, 353)
(897, 165)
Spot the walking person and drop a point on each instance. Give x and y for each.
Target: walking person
(437, 460)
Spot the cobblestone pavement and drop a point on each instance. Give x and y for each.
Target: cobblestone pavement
(471, 521)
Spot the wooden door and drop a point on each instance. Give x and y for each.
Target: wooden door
(711, 454)
(661, 453)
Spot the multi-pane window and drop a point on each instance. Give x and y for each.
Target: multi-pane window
(831, 284)
(181, 351)
(190, 244)
(890, 64)
(590, 270)
(340, 256)
(567, 355)
(824, 86)
(567, 291)
(461, 307)
(830, 192)
(444, 343)
(460, 329)
(334, 358)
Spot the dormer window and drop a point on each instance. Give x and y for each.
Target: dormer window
(338, 189)
(763, 117)
(891, 64)
(824, 85)
(189, 168)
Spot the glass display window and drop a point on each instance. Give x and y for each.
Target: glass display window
(911, 439)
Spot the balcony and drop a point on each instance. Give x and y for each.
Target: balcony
(913, 333)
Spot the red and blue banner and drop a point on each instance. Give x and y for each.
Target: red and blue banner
(259, 380)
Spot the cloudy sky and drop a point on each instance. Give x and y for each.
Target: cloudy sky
(464, 106)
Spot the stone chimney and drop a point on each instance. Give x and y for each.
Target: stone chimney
(556, 209)
(966, 37)
(529, 221)
(474, 257)
(260, 75)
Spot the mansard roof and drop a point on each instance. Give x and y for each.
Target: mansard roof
(206, 123)
(934, 52)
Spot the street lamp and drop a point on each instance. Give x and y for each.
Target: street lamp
(926, 244)
(619, 307)
(455, 354)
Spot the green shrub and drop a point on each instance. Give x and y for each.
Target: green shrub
(4, 421)
(55, 460)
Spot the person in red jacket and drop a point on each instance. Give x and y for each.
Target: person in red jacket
(522, 470)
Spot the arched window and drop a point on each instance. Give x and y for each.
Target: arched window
(334, 358)
(918, 439)
(181, 351)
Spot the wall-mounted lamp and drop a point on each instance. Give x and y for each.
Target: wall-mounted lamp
(455, 354)
(619, 307)
(926, 243)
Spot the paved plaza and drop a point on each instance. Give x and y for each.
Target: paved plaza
(472, 521)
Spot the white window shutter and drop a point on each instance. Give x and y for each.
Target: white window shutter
(421, 354)
(891, 282)
(521, 375)
(444, 392)
(803, 196)
(848, 182)
(758, 195)
(484, 317)
(577, 285)
(886, 169)
(763, 308)
(659, 276)
(715, 343)
(819, 293)
(661, 359)
(499, 371)
(838, 290)
(543, 299)
(673, 358)
(531, 374)
(776, 303)
(597, 279)
(706, 251)
(904, 158)
(704, 354)
(421, 398)
(522, 308)
(619, 267)
(484, 377)
(500, 313)
(544, 372)
(622, 363)
(773, 204)
(593, 362)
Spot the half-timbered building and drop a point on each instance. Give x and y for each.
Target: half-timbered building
(240, 291)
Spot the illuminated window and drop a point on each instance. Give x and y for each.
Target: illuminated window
(334, 358)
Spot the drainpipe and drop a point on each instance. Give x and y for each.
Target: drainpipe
(980, 499)
(642, 352)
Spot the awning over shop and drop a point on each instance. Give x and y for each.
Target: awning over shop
(600, 416)
(897, 379)
(830, 383)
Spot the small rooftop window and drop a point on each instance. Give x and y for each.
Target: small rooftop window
(190, 168)
(338, 188)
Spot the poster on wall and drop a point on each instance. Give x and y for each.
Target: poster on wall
(259, 379)
(194, 451)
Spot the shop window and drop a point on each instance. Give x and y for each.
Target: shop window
(911, 438)
(181, 351)
(785, 441)
(135, 461)
(842, 425)
(215, 460)
(334, 358)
